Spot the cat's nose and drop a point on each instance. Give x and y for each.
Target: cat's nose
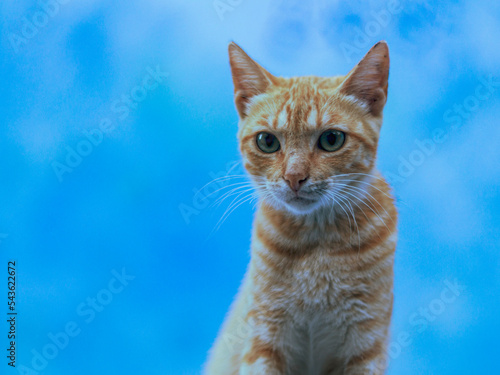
(295, 180)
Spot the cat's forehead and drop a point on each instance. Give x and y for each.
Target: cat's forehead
(299, 108)
(296, 114)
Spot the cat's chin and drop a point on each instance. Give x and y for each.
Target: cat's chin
(301, 206)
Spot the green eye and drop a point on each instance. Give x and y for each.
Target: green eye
(331, 140)
(267, 142)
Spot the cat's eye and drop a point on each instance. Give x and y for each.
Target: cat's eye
(267, 142)
(331, 140)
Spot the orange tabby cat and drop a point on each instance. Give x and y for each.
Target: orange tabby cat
(317, 295)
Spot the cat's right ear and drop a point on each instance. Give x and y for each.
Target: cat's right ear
(249, 78)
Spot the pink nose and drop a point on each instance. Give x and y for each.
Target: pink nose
(295, 180)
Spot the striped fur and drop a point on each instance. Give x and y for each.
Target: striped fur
(317, 295)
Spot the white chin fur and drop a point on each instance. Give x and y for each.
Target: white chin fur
(297, 207)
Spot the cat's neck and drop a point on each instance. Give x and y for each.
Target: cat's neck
(324, 225)
(338, 226)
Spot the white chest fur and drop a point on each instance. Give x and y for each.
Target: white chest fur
(319, 298)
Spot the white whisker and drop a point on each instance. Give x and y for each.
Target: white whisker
(372, 208)
(220, 179)
(234, 205)
(230, 193)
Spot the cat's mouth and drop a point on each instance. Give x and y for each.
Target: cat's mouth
(301, 200)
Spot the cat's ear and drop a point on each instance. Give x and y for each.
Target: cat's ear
(249, 78)
(368, 81)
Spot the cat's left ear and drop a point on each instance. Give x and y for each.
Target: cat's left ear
(249, 78)
(368, 81)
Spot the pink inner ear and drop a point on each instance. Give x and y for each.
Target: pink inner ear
(368, 81)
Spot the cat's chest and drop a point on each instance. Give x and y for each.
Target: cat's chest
(322, 301)
(318, 282)
(315, 343)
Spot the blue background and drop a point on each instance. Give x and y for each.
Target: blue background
(120, 207)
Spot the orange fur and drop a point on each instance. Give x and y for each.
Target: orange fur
(317, 296)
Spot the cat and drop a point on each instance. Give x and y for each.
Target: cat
(318, 292)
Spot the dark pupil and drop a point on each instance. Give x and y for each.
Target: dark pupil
(331, 138)
(269, 140)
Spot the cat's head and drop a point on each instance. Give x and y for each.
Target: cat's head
(303, 138)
